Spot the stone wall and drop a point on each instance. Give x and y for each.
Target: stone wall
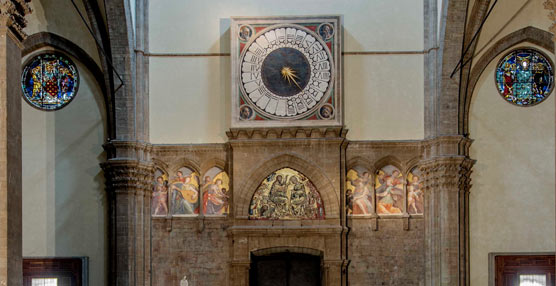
(388, 256)
(194, 247)
(216, 250)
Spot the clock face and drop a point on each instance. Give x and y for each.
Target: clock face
(286, 72)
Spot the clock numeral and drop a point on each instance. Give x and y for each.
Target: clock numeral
(252, 58)
(263, 101)
(323, 75)
(249, 67)
(316, 95)
(290, 34)
(308, 41)
(309, 100)
(324, 65)
(281, 108)
(320, 56)
(255, 95)
(315, 48)
(257, 50)
(249, 77)
(271, 106)
(299, 36)
(270, 37)
(281, 35)
(320, 85)
(291, 108)
(251, 86)
(300, 105)
(262, 42)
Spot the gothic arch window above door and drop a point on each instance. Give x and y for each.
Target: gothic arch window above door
(286, 194)
(524, 77)
(49, 81)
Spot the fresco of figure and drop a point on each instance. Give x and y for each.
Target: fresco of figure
(215, 192)
(160, 195)
(359, 197)
(389, 190)
(185, 192)
(415, 194)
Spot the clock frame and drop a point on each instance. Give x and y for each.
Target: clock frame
(286, 71)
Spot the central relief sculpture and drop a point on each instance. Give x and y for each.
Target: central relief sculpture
(286, 194)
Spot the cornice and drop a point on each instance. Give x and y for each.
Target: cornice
(286, 133)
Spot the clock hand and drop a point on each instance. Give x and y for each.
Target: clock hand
(289, 75)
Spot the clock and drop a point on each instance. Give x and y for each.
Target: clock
(285, 72)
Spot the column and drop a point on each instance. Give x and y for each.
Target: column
(129, 177)
(446, 185)
(12, 22)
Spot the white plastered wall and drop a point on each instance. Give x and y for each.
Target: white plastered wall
(190, 96)
(512, 198)
(64, 201)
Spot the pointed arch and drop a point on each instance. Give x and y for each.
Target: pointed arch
(323, 184)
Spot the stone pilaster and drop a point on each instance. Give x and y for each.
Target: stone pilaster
(446, 183)
(12, 22)
(129, 175)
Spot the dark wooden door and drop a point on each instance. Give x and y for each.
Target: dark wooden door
(509, 268)
(285, 269)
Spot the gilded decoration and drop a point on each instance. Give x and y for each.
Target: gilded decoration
(286, 194)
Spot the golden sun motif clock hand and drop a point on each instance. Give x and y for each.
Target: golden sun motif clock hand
(289, 75)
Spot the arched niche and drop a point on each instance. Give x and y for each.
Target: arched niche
(359, 191)
(415, 192)
(183, 192)
(286, 194)
(215, 192)
(389, 191)
(329, 196)
(159, 203)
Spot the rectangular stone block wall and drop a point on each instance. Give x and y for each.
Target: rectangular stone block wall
(183, 246)
(388, 256)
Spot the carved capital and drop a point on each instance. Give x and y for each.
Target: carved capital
(12, 16)
(128, 176)
(447, 173)
(550, 5)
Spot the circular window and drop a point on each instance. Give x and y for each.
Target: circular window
(524, 77)
(49, 81)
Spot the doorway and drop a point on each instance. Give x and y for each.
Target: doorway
(285, 269)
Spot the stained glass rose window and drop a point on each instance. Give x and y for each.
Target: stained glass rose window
(524, 77)
(49, 81)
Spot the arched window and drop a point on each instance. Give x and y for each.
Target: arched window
(524, 77)
(49, 81)
(286, 194)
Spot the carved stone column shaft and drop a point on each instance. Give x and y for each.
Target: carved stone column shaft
(129, 192)
(446, 183)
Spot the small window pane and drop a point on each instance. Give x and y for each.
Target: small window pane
(44, 282)
(532, 280)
